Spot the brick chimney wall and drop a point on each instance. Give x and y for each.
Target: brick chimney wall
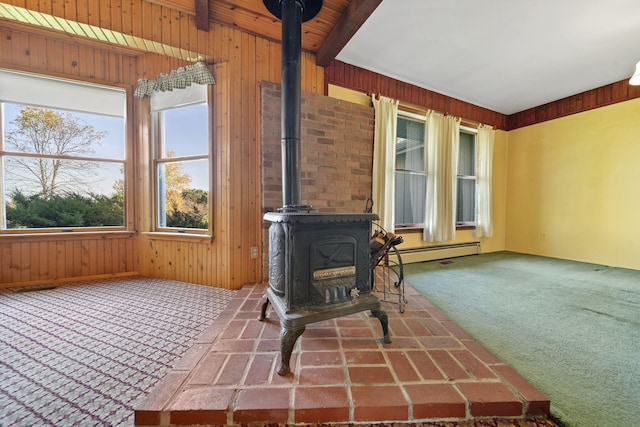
(336, 148)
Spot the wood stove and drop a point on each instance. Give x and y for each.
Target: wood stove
(319, 263)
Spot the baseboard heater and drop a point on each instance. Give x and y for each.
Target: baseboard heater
(431, 253)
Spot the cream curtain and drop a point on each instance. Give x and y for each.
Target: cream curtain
(384, 155)
(443, 140)
(484, 166)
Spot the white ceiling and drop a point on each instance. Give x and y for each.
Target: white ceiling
(504, 55)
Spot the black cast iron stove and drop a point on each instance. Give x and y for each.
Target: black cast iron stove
(318, 263)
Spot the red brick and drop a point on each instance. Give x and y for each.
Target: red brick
(448, 364)
(436, 328)
(252, 330)
(370, 374)
(418, 327)
(321, 405)
(202, 405)
(425, 366)
(440, 342)
(319, 344)
(356, 332)
(398, 328)
(321, 333)
(435, 401)
(472, 364)
(321, 375)
(191, 357)
(208, 369)
(234, 345)
(162, 393)
(403, 343)
(402, 366)
(234, 369)
(361, 344)
(456, 330)
(233, 329)
(265, 345)
(537, 403)
(320, 358)
(379, 403)
(210, 334)
(262, 405)
(364, 358)
(491, 400)
(260, 369)
(481, 352)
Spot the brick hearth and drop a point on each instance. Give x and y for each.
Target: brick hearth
(341, 373)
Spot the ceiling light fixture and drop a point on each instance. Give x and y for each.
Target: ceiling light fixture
(635, 79)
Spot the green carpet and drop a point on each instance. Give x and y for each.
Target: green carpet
(572, 329)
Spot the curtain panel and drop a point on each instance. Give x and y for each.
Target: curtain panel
(484, 167)
(384, 155)
(443, 139)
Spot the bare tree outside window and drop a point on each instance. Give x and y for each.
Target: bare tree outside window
(46, 138)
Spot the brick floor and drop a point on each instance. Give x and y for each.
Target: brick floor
(432, 372)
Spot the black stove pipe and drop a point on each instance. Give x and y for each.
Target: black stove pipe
(291, 88)
(292, 13)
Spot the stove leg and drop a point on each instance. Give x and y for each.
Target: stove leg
(288, 337)
(381, 315)
(263, 310)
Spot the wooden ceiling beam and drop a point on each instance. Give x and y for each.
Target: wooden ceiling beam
(348, 24)
(202, 14)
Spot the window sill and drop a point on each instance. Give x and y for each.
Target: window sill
(175, 236)
(67, 235)
(417, 229)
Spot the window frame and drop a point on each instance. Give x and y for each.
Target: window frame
(156, 141)
(126, 163)
(469, 225)
(465, 126)
(408, 114)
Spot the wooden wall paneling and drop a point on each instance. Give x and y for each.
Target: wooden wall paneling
(188, 38)
(57, 8)
(20, 50)
(118, 15)
(5, 263)
(224, 148)
(99, 256)
(235, 224)
(222, 126)
(82, 11)
(84, 257)
(27, 261)
(248, 226)
(51, 259)
(38, 52)
(11, 265)
(60, 271)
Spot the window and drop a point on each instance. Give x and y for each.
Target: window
(411, 171)
(182, 159)
(62, 154)
(466, 195)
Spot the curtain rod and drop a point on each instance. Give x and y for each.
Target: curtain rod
(410, 108)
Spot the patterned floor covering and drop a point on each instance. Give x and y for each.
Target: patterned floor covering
(83, 354)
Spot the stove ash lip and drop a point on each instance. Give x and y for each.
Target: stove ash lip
(317, 217)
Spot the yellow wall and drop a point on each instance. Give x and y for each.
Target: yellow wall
(572, 188)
